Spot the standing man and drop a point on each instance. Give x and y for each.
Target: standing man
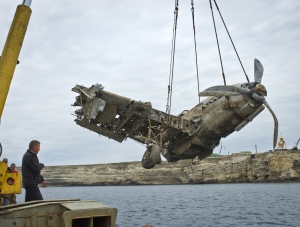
(31, 172)
(13, 168)
(5, 160)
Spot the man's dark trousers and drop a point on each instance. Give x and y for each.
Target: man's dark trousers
(33, 193)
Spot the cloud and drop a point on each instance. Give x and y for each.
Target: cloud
(125, 46)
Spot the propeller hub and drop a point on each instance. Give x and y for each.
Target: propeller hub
(259, 92)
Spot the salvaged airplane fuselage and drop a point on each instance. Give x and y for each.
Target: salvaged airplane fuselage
(193, 133)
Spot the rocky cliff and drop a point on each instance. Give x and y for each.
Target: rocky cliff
(278, 166)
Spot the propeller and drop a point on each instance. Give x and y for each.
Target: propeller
(255, 88)
(224, 91)
(275, 136)
(258, 71)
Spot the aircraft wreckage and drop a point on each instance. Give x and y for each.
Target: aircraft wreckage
(193, 133)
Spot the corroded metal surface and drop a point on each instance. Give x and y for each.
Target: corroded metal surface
(193, 133)
(58, 213)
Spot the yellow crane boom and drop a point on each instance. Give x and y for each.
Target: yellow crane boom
(10, 183)
(11, 50)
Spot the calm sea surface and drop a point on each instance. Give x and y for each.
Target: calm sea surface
(193, 205)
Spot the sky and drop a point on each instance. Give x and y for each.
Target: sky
(126, 47)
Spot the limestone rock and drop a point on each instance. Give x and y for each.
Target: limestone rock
(278, 166)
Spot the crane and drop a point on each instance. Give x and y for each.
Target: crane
(296, 145)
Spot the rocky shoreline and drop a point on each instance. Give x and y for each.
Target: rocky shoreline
(278, 166)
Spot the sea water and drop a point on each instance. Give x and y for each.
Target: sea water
(206, 205)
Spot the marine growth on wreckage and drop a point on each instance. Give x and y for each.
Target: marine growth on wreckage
(193, 133)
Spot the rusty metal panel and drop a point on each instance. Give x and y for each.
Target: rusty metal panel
(101, 130)
(119, 101)
(192, 133)
(253, 115)
(182, 147)
(83, 205)
(89, 213)
(133, 123)
(249, 118)
(58, 213)
(108, 115)
(93, 106)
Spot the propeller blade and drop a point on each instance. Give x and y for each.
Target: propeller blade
(258, 71)
(275, 124)
(224, 91)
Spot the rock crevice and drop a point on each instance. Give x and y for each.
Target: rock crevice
(278, 166)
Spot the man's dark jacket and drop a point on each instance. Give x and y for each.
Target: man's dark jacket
(31, 169)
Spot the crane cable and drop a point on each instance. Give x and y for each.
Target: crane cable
(192, 9)
(169, 102)
(171, 75)
(230, 40)
(212, 13)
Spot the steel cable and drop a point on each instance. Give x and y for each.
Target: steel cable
(192, 9)
(170, 86)
(231, 41)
